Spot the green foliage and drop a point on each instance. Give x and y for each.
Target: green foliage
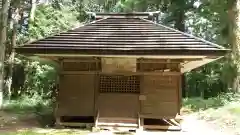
(26, 104)
(34, 78)
(50, 21)
(205, 18)
(209, 20)
(54, 132)
(24, 133)
(207, 81)
(39, 76)
(200, 104)
(222, 111)
(225, 116)
(41, 108)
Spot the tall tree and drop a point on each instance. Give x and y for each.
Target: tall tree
(177, 15)
(3, 40)
(15, 17)
(234, 38)
(33, 9)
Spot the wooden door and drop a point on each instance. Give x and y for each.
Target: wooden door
(118, 96)
(118, 105)
(76, 95)
(160, 96)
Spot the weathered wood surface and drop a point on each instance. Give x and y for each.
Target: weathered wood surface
(118, 65)
(121, 34)
(76, 95)
(118, 105)
(160, 96)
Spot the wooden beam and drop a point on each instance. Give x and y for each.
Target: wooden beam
(121, 43)
(119, 118)
(121, 73)
(195, 64)
(122, 35)
(122, 24)
(190, 57)
(96, 120)
(117, 124)
(86, 59)
(165, 120)
(76, 124)
(159, 127)
(113, 37)
(175, 122)
(141, 39)
(150, 116)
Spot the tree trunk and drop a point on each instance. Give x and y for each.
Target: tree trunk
(15, 19)
(0, 4)
(3, 39)
(234, 39)
(33, 9)
(179, 15)
(179, 20)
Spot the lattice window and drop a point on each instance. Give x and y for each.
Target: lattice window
(119, 84)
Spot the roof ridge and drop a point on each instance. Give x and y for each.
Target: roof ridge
(92, 22)
(186, 34)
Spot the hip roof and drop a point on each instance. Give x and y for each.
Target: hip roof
(126, 35)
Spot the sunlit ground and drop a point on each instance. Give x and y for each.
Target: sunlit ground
(203, 117)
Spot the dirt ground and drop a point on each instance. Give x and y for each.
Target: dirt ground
(191, 125)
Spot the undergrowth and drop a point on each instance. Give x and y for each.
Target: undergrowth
(200, 104)
(41, 108)
(26, 104)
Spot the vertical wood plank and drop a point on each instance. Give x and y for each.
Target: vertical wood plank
(179, 93)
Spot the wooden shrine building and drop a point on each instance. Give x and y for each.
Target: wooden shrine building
(122, 69)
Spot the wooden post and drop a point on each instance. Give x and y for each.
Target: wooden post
(58, 121)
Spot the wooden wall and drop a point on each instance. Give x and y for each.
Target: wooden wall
(160, 95)
(118, 105)
(76, 95)
(118, 96)
(81, 93)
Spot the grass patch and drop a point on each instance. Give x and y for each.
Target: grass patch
(41, 108)
(199, 104)
(26, 104)
(23, 133)
(222, 111)
(234, 108)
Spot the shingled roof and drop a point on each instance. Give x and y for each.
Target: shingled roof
(123, 35)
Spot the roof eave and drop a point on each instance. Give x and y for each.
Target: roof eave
(31, 50)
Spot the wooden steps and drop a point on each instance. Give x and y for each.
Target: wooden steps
(160, 127)
(111, 123)
(74, 121)
(161, 124)
(124, 123)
